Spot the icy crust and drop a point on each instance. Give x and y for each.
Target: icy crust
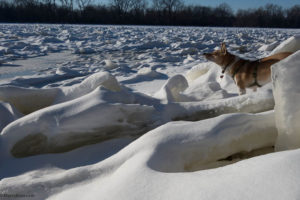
(285, 78)
(173, 147)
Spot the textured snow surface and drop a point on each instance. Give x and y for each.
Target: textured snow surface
(128, 112)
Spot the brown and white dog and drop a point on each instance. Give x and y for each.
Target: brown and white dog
(245, 73)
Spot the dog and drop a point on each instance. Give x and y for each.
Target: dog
(245, 73)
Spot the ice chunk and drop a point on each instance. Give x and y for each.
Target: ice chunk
(268, 47)
(171, 90)
(104, 79)
(110, 64)
(199, 70)
(286, 80)
(28, 100)
(97, 116)
(290, 45)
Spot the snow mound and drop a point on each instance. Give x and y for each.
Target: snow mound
(197, 145)
(103, 79)
(174, 147)
(199, 70)
(171, 90)
(110, 64)
(28, 100)
(285, 77)
(206, 91)
(290, 45)
(97, 116)
(250, 103)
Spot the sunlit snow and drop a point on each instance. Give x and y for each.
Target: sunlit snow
(136, 112)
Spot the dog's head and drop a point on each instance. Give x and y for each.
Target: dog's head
(217, 56)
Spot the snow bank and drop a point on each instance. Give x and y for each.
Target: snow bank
(144, 168)
(250, 103)
(28, 100)
(110, 65)
(290, 45)
(171, 90)
(285, 77)
(79, 116)
(97, 116)
(103, 79)
(7, 114)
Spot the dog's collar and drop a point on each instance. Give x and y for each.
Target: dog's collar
(226, 66)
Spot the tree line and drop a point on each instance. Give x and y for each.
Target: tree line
(140, 12)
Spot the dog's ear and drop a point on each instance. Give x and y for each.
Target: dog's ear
(223, 48)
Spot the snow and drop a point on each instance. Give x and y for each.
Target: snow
(8, 114)
(292, 44)
(285, 75)
(136, 112)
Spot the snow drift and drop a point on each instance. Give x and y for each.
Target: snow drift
(97, 116)
(28, 100)
(174, 147)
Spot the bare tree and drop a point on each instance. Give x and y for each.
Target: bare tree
(169, 5)
(138, 5)
(67, 3)
(122, 6)
(83, 3)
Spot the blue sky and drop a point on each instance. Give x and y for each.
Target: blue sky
(235, 4)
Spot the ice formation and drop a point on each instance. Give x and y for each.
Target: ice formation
(117, 112)
(285, 78)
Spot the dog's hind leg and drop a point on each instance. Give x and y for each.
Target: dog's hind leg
(241, 86)
(254, 89)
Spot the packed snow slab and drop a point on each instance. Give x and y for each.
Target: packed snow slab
(292, 44)
(97, 116)
(145, 168)
(285, 77)
(28, 100)
(250, 103)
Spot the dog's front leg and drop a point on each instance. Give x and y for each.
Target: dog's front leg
(242, 91)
